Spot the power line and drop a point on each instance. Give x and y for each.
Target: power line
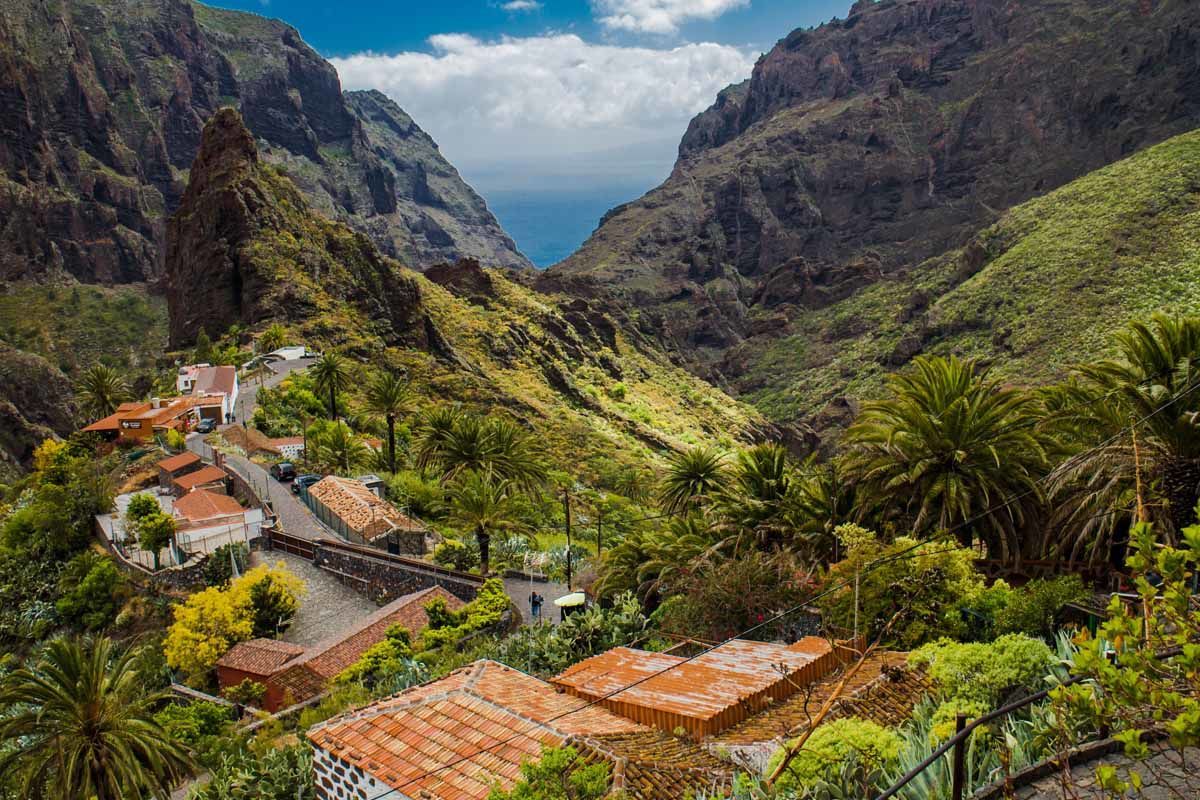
(910, 551)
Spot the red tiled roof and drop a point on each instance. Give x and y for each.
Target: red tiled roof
(705, 694)
(184, 459)
(325, 660)
(453, 738)
(202, 504)
(215, 380)
(110, 423)
(209, 474)
(259, 656)
(361, 509)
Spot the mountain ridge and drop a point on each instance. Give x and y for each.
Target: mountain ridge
(866, 146)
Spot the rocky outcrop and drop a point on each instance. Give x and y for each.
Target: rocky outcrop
(861, 148)
(101, 111)
(33, 407)
(244, 248)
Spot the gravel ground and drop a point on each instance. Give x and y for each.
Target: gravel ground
(327, 609)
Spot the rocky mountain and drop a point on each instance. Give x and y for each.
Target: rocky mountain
(245, 247)
(101, 107)
(860, 151)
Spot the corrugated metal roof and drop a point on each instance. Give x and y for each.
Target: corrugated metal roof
(175, 462)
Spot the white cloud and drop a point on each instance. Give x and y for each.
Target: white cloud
(546, 97)
(517, 6)
(659, 16)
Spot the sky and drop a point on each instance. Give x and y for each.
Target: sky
(563, 98)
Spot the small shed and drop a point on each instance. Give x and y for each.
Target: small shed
(207, 477)
(177, 466)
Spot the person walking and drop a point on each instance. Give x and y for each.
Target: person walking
(535, 605)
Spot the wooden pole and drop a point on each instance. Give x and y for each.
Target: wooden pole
(567, 512)
(960, 748)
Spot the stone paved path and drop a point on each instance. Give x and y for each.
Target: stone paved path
(327, 609)
(1168, 774)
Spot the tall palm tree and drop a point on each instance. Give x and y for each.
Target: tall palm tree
(484, 504)
(101, 390)
(331, 374)
(338, 448)
(1149, 392)
(951, 449)
(693, 476)
(755, 498)
(388, 396)
(81, 726)
(437, 426)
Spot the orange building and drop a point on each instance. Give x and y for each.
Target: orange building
(135, 422)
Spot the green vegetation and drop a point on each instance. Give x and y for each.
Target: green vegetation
(560, 774)
(81, 726)
(1114, 245)
(450, 627)
(873, 746)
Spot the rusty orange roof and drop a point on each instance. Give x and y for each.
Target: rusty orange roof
(209, 474)
(259, 656)
(705, 694)
(361, 509)
(202, 504)
(175, 462)
(453, 738)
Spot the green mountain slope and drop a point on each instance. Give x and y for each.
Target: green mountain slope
(1035, 292)
(245, 248)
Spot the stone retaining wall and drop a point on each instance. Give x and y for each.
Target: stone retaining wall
(383, 578)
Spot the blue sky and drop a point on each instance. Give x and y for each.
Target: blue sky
(554, 110)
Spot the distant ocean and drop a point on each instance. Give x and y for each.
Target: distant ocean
(550, 224)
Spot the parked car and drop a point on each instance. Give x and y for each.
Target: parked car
(206, 425)
(304, 481)
(283, 471)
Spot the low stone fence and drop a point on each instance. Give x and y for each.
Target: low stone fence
(379, 575)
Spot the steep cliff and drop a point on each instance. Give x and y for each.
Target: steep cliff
(245, 248)
(861, 148)
(101, 108)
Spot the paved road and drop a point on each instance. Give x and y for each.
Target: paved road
(327, 608)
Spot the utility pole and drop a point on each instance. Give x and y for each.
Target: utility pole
(567, 513)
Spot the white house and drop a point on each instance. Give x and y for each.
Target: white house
(290, 447)
(219, 384)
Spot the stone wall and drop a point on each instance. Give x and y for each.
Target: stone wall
(335, 779)
(384, 577)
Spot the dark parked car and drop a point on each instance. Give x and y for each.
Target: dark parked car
(283, 471)
(304, 481)
(206, 426)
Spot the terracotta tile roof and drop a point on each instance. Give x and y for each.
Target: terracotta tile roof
(454, 737)
(884, 690)
(209, 474)
(705, 694)
(361, 509)
(324, 661)
(215, 380)
(110, 423)
(259, 656)
(652, 765)
(202, 504)
(177, 462)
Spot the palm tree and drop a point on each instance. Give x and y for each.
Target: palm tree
(484, 504)
(1149, 392)
(693, 476)
(331, 374)
(272, 338)
(80, 726)
(456, 442)
(755, 498)
(339, 448)
(101, 390)
(950, 449)
(388, 396)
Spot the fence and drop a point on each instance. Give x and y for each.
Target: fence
(379, 575)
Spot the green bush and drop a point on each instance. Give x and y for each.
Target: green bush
(387, 663)
(218, 569)
(486, 610)
(549, 649)
(278, 774)
(924, 587)
(560, 774)
(141, 506)
(248, 692)
(92, 591)
(830, 746)
(976, 677)
(203, 727)
(456, 554)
